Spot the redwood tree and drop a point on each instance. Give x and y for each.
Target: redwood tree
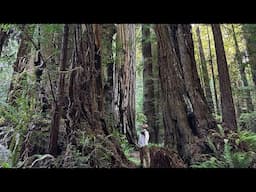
(200, 106)
(205, 74)
(108, 31)
(125, 81)
(178, 133)
(84, 110)
(148, 84)
(57, 111)
(227, 104)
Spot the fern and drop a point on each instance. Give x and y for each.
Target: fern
(249, 138)
(211, 163)
(211, 145)
(227, 155)
(221, 130)
(242, 159)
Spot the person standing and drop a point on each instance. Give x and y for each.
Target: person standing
(143, 146)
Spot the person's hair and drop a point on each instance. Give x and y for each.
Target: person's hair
(145, 125)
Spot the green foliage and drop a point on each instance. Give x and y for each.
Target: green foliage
(48, 33)
(238, 151)
(248, 121)
(242, 159)
(211, 144)
(221, 130)
(211, 163)
(5, 165)
(125, 146)
(140, 118)
(7, 58)
(5, 78)
(91, 151)
(19, 114)
(5, 27)
(227, 155)
(249, 138)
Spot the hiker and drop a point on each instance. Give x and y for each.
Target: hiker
(143, 146)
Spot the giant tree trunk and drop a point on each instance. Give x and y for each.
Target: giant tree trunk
(57, 111)
(213, 76)
(205, 74)
(178, 134)
(125, 81)
(148, 84)
(108, 31)
(249, 34)
(227, 104)
(84, 110)
(241, 67)
(192, 82)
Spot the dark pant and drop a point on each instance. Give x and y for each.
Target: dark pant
(144, 155)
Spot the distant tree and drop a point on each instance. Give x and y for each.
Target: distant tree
(205, 74)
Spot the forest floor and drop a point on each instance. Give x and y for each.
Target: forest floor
(134, 156)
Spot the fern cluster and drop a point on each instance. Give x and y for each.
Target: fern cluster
(236, 150)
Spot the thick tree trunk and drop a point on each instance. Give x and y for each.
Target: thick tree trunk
(241, 67)
(205, 74)
(148, 84)
(178, 134)
(83, 103)
(125, 81)
(55, 123)
(227, 104)
(108, 31)
(192, 82)
(84, 111)
(213, 76)
(249, 34)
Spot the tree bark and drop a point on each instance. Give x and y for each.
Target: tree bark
(178, 134)
(186, 51)
(108, 31)
(241, 67)
(227, 104)
(84, 111)
(205, 74)
(148, 84)
(55, 123)
(125, 81)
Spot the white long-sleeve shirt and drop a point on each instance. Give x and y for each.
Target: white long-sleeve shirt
(143, 139)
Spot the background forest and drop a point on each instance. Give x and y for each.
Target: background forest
(76, 95)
